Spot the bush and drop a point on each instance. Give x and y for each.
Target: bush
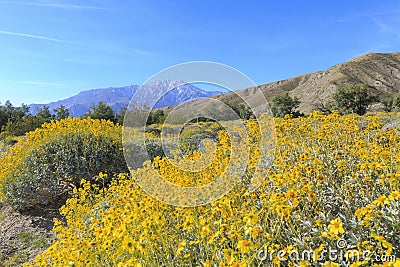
(156, 117)
(396, 102)
(101, 112)
(191, 139)
(21, 126)
(393, 104)
(10, 141)
(283, 105)
(354, 98)
(243, 111)
(43, 170)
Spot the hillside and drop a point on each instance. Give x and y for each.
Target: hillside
(381, 72)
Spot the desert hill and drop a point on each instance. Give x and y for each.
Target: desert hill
(381, 72)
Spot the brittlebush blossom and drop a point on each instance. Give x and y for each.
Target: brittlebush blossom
(345, 161)
(244, 246)
(395, 195)
(381, 201)
(181, 247)
(336, 227)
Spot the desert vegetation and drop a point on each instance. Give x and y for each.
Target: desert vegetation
(333, 178)
(333, 183)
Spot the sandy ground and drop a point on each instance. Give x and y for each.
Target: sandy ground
(23, 236)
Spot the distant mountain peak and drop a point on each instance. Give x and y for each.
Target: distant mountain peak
(119, 97)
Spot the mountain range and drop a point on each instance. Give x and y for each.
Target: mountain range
(380, 71)
(120, 97)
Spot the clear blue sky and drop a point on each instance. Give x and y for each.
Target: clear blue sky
(52, 49)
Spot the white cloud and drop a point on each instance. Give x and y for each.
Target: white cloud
(386, 28)
(382, 26)
(33, 36)
(53, 5)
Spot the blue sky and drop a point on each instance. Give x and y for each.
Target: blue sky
(53, 49)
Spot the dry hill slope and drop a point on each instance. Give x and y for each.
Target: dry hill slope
(381, 72)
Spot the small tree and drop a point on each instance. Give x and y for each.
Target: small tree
(101, 112)
(16, 113)
(283, 104)
(3, 117)
(396, 102)
(156, 117)
(354, 98)
(21, 126)
(44, 114)
(19, 121)
(241, 110)
(61, 112)
(121, 116)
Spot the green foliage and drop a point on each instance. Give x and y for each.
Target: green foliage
(28, 243)
(10, 141)
(61, 113)
(11, 115)
(241, 110)
(4, 116)
(354, 98)
(283, 105)
(44, 114)
(33, 240)
(49, 174)
(121, 116)
(20, 126)
(42, 170)
(18, 112)
(16, 259)
(16, 121)
(193, 135)
(101, 112)
(396, 102)
(156, 117)
(154, 149)
(393, 104)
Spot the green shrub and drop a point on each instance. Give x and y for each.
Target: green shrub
(101, 112)
(354, 98)
(283, 104)
(396, 102)
(48, 175)
(8, 139)
(44, 176)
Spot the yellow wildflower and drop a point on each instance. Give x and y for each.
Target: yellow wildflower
(336, 227)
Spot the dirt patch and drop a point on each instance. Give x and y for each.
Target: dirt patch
(24, 236)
